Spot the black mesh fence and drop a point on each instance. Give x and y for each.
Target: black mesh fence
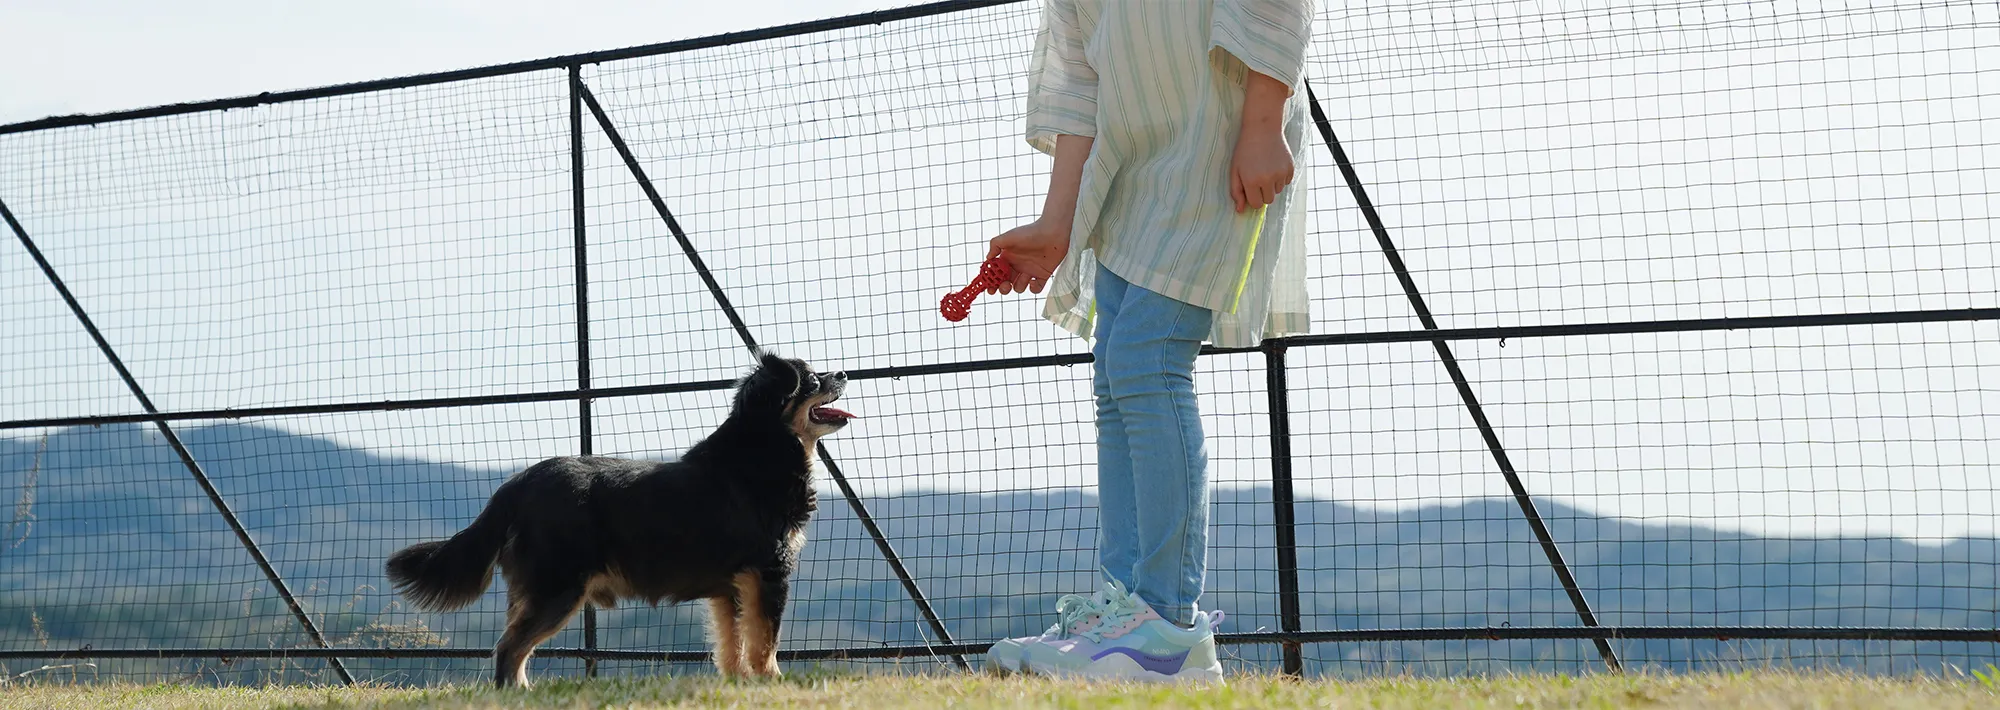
(1660, 334)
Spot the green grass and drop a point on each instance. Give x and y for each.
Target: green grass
(1767, 689)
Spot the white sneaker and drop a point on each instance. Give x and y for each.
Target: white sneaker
(1114, 635)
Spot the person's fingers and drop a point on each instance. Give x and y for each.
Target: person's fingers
(1236, 194)
(992, 250)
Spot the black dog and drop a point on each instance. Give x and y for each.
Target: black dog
(724, 523)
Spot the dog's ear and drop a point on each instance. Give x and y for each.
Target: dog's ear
(784, 373)
(773, 384)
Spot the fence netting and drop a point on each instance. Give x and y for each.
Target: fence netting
(1535, 165)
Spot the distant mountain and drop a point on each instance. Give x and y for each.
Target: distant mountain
(109, 542)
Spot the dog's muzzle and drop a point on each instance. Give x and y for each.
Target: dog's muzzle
(835, 385)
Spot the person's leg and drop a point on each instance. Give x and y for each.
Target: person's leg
(1117, 505)
(1117, 537)
(1153, 505)
(1146, 629)
(1148, 360)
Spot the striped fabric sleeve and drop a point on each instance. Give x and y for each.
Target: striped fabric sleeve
(1269, 36)
(1062, 86)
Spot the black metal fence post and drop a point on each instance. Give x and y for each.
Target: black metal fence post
(174, 441)
(1283, 511)
(583, 403)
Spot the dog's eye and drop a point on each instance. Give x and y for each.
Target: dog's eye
(811, 383)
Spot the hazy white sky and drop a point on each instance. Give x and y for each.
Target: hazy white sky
(87, 56)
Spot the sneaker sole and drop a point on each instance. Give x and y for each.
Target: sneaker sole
(1125, 669)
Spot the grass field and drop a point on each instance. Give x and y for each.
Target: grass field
(1705, 691)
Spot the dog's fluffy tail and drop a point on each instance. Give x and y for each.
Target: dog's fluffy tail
(448, 574)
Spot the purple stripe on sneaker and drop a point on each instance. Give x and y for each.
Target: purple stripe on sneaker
(1163, 665)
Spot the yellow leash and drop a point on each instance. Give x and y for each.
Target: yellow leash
(1243, 281)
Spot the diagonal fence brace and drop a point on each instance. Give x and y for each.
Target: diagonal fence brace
(174, 440)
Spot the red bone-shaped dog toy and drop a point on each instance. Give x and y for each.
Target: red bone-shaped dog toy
(994, 272)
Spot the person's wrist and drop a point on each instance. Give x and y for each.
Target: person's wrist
(1051, 224)
(1251, 136)
(1057, 216)
(1264, 106)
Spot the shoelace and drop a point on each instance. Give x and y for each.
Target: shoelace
(1112, 606)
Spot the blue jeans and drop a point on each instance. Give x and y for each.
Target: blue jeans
(1152, 462)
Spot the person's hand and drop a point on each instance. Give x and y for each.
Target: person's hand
(1261, 166)
(1034, 250)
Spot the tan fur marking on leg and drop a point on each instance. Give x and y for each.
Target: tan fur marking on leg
(724, 637)
(518, 643)
(760, 640)
(605, 589)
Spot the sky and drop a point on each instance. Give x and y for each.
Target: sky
(102, 55)
(1592, 162)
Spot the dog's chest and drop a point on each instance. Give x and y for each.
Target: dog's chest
(792, 538)
(795, 542)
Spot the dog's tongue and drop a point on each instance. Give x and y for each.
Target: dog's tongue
(832, 412)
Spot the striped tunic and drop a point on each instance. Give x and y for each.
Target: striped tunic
(1158, 85)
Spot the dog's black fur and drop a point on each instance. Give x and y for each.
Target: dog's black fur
(723, 523)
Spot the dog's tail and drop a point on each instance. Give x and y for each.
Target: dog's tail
(449, 574)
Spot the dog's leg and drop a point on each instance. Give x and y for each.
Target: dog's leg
(532, 617)
(724, 636)
(762, 596)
